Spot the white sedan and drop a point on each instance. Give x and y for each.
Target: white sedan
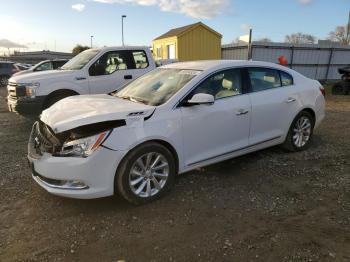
(173, 119)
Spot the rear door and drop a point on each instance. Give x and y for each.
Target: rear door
(211, 131)
(116, 68)
(274, 103)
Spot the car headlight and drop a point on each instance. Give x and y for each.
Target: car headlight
(83, 147)
(30, 88)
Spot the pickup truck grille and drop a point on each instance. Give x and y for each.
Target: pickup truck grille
(42, 140)
(11, 88)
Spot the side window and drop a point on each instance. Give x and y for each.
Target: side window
(223, 84)
(58, 64)
(263, 79)
(44, 67)
(140, 59)
(286, 79)
(110, 62)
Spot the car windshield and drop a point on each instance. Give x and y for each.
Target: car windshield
(79, 61)
(157, 86)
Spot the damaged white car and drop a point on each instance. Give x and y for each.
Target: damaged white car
(174, 119)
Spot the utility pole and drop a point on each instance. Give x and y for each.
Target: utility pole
(250, 44)
(347, 33)
(123, 16)
(91, 40)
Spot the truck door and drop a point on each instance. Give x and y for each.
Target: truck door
(116, 68)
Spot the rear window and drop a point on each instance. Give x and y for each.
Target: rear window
(140, 59)
(263, 79)
(286, 79)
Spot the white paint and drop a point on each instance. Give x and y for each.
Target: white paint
(201, 135)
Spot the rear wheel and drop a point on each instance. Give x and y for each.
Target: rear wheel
(4, 80)
(146, 173)
(300, 132)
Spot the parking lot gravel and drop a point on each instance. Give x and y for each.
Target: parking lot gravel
(266, 206)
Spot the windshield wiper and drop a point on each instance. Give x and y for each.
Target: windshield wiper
(134, 99)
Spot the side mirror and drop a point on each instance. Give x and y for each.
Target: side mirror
(201, 99)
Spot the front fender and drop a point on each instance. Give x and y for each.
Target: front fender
(47, 88)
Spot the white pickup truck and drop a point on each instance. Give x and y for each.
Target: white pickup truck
(94, 71)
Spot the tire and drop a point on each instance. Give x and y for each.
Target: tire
(4, 81)
(135, 184)
(300, 133)
(339, 89)
(52, 99)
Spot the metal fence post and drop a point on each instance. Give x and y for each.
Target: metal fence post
(329, 62)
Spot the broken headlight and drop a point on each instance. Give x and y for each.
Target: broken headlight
(83, 147)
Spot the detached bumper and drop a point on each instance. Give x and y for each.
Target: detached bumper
(26, 106)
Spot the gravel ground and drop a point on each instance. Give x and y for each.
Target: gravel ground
(265, 206)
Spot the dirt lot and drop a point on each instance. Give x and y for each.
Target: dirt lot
(266, 206)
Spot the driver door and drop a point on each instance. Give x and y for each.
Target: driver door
(211, 131)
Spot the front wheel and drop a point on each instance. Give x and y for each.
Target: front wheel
(146, 173)
(300, 132)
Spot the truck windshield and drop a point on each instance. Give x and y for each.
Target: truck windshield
(80, 60)
(157, 86)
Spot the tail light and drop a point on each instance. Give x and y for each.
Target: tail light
(323, 91)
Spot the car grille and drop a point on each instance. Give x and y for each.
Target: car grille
(42, 140)
(11, 88)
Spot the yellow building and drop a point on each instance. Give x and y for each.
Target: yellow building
(192, 42)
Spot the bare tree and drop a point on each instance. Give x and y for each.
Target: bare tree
(341, 34)
(300, 38)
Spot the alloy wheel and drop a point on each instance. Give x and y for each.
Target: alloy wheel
(149, 174)
(302, 131)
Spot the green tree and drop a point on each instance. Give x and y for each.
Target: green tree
(79, 48)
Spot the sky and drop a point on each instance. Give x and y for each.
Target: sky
(61, 24)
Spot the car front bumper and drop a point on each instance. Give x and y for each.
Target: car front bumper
(76, 177)
(26, 106)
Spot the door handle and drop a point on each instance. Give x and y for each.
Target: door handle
(128, 77)
(80, 78)
(242, 112)
(290, 100)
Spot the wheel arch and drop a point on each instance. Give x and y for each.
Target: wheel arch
(164, 143)
(59, 92)
(311, 112)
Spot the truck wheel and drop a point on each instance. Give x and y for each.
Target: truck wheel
(4, 80)
(146, 173)
(339, 89)
(53, 98)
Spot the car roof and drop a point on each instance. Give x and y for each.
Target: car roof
(205, 65)
(6, 62)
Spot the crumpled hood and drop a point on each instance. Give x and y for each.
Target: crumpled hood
(40, 76)
(81, 110)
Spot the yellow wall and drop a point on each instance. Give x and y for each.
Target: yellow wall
(163, 43)
(199, 44)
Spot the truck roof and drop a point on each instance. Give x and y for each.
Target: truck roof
(111, 48)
